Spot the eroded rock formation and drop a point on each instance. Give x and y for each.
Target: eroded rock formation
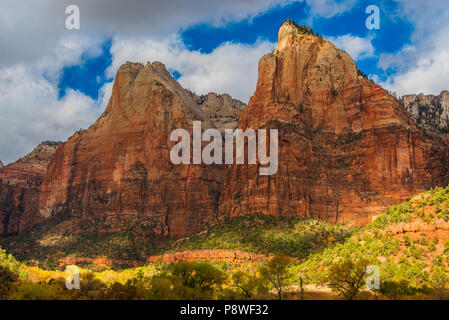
(347, 149)
(222, 110)
(119, 170)
(429, 111)
(233, 256)
(19, 189)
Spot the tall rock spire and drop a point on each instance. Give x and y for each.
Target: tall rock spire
(347, 148)
(119, 170)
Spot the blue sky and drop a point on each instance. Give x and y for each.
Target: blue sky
(394, 33)
(54, 81)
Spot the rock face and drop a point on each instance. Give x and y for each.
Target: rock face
(430, 112)
(119, 170)
(347, 149)
(1, 164)
(233, 256)
(222, 110)
(19, 189)
(30, 170)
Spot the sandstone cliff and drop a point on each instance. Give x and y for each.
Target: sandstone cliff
(232, 256)
(430, 112)
(347, 148)
(222, 110)
(19, 189)
(1, 164)
(119, 170)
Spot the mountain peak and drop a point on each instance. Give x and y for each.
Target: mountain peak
(292, 26)
(289, 30)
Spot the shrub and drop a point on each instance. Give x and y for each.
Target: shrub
(277, 272)
(347, 277)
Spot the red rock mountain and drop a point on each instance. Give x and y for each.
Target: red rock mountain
(19, 189)
(429, 111)
(222, 110)
(347, 149)
(119, 170)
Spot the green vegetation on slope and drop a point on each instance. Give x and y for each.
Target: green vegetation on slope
(267, 235)
(61, 237)
(415, 262)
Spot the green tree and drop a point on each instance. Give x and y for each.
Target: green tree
(277, 272)
(394, 289)
(249, 285)
(7, 279)
(347, 277)
(439, 279)
(28, 290)
(199, 275)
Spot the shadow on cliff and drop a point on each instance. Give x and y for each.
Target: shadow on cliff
(63, 236)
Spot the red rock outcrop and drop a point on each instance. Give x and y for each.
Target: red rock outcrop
(429, 111)
(98, 262)
(119, 170)
(234, 256)
(31, 169)
(222, 110)
(19, 189)
(347, 148)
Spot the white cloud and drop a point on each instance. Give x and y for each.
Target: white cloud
(423, 64)
(39, 47)
(30, 109)
(31, 112)
(104, 94)
(358, 48)
(230, 68)
(32, 29)
(329, 8)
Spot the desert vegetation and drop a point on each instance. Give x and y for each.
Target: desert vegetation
(306, 259)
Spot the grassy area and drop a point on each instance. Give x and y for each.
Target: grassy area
(263, 234)
(412, 264)
(62, 236)
(420, 259)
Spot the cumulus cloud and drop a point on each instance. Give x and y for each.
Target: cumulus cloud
(32, 29)
(358, 48)
(329, 8)
(423, 64)
(230, 68)
(39, 47)
(32, 112)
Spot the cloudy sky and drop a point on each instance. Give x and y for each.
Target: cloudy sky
(54, 81)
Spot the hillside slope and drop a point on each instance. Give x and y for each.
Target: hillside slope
(407, 242)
